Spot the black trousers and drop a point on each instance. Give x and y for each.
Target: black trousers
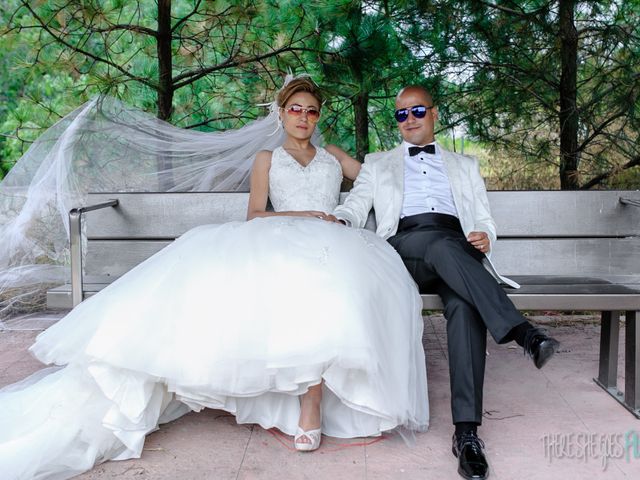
(441, 260)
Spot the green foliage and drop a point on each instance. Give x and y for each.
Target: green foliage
(509, 54)
(493, 68)
(43, 104)
(111, 47)
(366, 58)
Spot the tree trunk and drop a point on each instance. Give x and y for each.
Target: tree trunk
(361, 113)
(165, 86)
(361, 101)
(569, 155)
(165, 81)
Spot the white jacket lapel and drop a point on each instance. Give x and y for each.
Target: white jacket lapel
(396, 162)
(453, 172)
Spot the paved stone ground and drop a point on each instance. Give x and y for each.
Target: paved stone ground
(524, 407)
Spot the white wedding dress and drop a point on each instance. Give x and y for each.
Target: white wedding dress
(242, 317)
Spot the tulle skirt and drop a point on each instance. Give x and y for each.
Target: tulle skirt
(242, 317)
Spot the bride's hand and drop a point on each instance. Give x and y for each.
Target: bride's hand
(313, 213)
(321, 215)
(332, 218)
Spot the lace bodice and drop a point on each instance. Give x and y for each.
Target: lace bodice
(314, 187)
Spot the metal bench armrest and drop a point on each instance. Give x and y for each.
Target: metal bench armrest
(75, 244)
(629, 201)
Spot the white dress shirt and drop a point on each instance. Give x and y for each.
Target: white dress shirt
(426, 184)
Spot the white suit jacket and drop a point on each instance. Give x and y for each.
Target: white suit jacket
(380, 185)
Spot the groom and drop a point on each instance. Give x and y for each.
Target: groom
(432, 207)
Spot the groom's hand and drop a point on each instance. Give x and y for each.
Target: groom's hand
(479, 240)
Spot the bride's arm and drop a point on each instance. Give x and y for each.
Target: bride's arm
(259, 187)
(350, 166)
(260, 191)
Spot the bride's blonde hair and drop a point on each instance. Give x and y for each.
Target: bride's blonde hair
(300, 84)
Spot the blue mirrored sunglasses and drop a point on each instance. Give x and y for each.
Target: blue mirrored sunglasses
(418, 111)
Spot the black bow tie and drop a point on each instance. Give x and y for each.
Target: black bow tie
(426, 149)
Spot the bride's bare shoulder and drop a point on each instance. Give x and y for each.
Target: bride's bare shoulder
(263, 157)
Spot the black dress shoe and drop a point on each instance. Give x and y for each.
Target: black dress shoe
(540, 346)
(472, 463)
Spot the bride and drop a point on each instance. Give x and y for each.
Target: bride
(289, 320)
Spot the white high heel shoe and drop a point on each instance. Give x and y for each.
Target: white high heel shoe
(314, 436)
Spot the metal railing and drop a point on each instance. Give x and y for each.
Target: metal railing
(629, 201)
(75, 241)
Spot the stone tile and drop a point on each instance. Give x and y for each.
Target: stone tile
(523, 406)
(270, 454)
(428, 457)
(18, 371)
(526, 451)
(203, 445)
(33, 321)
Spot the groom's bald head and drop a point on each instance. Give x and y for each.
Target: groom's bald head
(417, 131)
(416, 89)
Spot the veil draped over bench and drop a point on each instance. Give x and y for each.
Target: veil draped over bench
(107, 146)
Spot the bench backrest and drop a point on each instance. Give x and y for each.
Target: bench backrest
(539, 232)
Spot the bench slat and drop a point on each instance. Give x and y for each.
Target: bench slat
(115, 258)
(60, 297)
(561, 302)
(565, 213)
(593, 257)
(162, 215)
(517, 214)
(598, 256)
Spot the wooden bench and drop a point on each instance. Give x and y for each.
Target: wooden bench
(569, 251)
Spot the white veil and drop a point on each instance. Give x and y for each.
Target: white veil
(107, 146)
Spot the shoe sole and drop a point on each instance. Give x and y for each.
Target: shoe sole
(453, 450)
(473, 478)
(299, 448)
(547, 352)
